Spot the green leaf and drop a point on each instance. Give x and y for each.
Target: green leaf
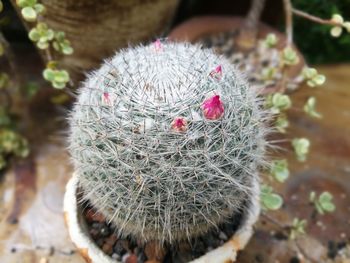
(280, 170)
(328, 207)
(59, 85)
(67, 50)
(324, 203)
(270, 200)
(279, 102)
(61, 76)
(42, 44)
(31, 88)
(313, 78)
(309, 108)
(325, 197)
(312, 196)
(271, 40)
(297, 228)
(289, 56)
(1, 6)
(39, 8)
(59, 36)
(56, 46)
(282, 123)
(49, 74)
(34, 35)
(22, 3)
(29, 14)
(301, 148)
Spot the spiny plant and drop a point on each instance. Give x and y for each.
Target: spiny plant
(166, 140)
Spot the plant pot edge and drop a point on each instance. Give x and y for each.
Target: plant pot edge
(199, 26)
(92, 253)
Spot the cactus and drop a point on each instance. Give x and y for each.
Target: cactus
(166, 140)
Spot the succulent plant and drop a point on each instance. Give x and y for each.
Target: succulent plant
(166, 140)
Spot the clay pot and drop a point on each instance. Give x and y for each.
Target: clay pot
(200, 27)
(92, 253)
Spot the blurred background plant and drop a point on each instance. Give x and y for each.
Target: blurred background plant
(11, 141)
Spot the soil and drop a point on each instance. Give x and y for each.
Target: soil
(130, 251)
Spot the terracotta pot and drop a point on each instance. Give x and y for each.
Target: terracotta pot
(199, 27)
(92, 253)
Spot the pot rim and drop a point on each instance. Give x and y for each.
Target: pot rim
(202, 26)
(92, 253)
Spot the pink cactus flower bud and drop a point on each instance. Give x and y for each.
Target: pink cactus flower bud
(216, 73)
(179, 124)
(108, 98)
(158, 45)
(213, 108)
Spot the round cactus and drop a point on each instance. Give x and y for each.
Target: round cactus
(166, 140)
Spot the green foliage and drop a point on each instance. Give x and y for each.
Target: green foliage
(42, 35)
(30, 89)
(11, 142)
(269, 199)
(309, 108)
(1, 6)
(301, 148)
(279, 170)
(289, 56)
(30, 9)
(323, 203)
(313, 79)
(297, 228)
(315, 41)
(58, 78)
(270, 40)
(336, 31)
(278, 102)
(61, 44)
(282, 123)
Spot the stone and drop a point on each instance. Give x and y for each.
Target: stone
(130, 258)
(92, 215)
(154, 251)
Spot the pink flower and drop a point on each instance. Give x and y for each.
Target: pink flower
(213, 108)
(108, 98)
(158, 45)
(179, 124)
(216, 73)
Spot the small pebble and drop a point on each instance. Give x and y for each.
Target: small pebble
(130, 258)
(116, 256)
(153, 250)
(119, 248)
(223, 236)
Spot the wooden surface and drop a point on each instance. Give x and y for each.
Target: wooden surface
(31, 221)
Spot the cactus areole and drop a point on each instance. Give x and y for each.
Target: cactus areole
(166, 140)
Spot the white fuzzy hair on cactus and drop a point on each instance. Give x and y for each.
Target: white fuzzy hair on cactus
(166, 140)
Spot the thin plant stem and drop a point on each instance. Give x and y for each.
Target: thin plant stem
(249, 31)
(288, 9)
(254, 14)
(315, 18)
